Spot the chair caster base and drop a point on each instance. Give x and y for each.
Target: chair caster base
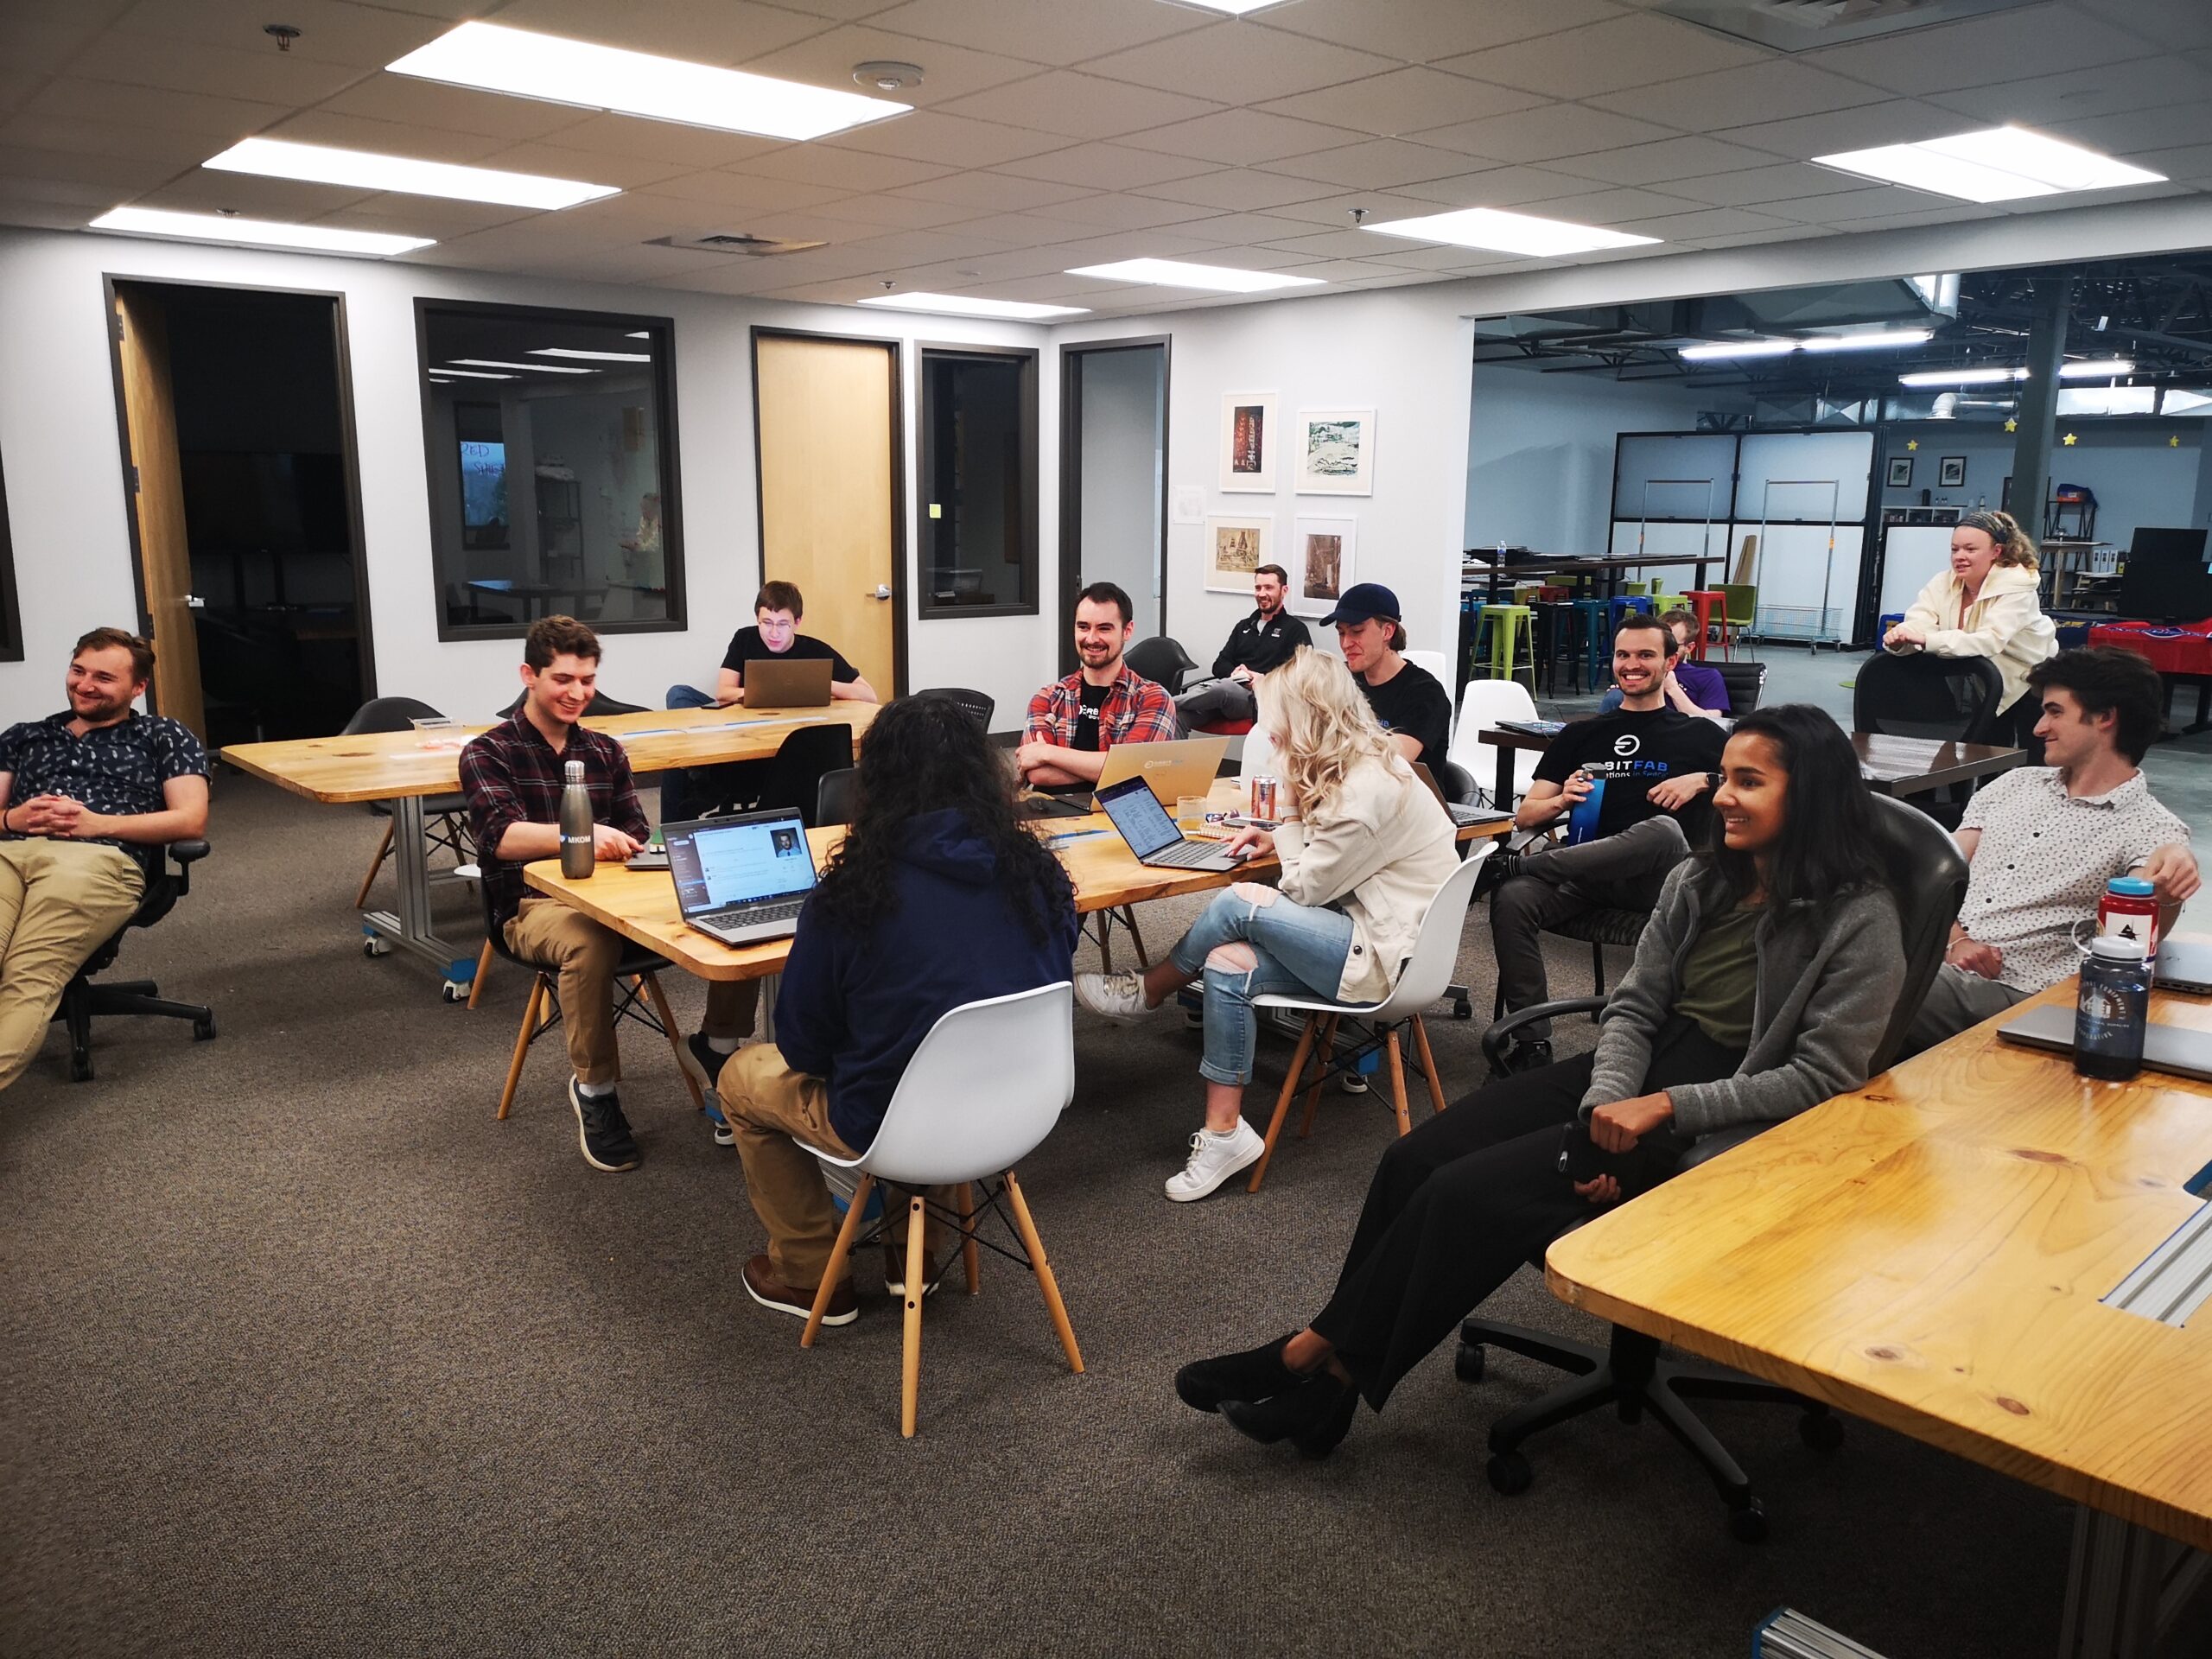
(203, 1030)
(1510, 1473)
(1468, 1364)
(1749, 1524)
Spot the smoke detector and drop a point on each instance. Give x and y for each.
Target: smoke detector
(740, 242)
(887, 76)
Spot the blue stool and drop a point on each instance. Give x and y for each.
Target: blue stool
(1621, 604)
(1889, 620)
(1596, 631)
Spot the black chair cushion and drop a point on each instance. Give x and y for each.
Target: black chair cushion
(1952, 698)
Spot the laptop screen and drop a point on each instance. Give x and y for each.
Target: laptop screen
(1139, 815)
(756, 859)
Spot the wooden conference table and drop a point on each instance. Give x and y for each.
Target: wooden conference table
(1603, 569)
(403, 767)
(1940, 1252)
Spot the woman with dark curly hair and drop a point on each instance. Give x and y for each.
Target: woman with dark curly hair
(937, 897)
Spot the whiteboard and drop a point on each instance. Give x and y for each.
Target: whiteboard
(1912, 553)
(1795, 576)
(1778, 458)
(1672, 474)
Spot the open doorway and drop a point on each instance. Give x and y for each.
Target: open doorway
(1113, 477)
(246, 508)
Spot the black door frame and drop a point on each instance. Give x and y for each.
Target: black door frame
(1071, 470)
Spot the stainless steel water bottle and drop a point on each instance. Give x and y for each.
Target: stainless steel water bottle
(577, 858)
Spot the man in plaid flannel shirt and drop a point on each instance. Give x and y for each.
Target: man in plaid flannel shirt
(1073, 722)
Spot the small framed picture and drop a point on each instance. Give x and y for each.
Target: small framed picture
(1248, 439)
(1900, 472)
(1952, 475)
(1321, 564)
(1336, 451)
(1236, 546)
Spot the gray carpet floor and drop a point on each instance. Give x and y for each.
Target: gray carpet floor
(304, 1353)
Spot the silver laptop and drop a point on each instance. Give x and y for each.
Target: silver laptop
(803, 683)
(1152, 834)
(744, 878)
(1187, 765)
(2185, 965)
(2175, 1049)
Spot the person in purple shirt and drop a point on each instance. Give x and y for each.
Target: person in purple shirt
(1690, 688)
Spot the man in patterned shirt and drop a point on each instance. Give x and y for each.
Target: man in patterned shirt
(512, 777)
(1073, 722)
(91, 796)
(2041, 842)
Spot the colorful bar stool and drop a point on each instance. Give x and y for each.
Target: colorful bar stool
(1621, 604)
(1512, 634)
(1705, 601)
(1595, 635)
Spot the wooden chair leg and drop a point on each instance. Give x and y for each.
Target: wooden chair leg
(1106, 941)
(971, 1257)
(910, 1369)
(1046, 1285)
(483, 973)
(1398, 1082)
(840, 1254)
(660, 999)
(1323, 1051)
(1282, 1101)
(1129, 920)
(383, 851)
(522, 1042)
(1436, 1101)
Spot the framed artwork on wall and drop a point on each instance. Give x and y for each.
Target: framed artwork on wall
(1336, 451)
(1249, 438)
(1953, 473)
(1236, 546)
(1321, 564)
(1900, 472)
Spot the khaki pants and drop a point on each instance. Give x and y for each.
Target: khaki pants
(58, 900)
(583, 953)
(777, 1113)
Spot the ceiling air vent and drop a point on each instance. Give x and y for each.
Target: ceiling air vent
(753, 247)
(1801, 25)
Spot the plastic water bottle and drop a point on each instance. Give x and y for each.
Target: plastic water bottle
(578, 858)
(2112, 1009)
(1582, 817)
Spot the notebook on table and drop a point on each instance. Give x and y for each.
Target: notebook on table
(744, 878)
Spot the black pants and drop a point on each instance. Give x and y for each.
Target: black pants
(1473, 1194)
(1618, 872)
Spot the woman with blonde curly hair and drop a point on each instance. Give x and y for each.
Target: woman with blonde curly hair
(1364, 847)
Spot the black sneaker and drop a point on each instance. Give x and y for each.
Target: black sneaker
(602, 1130)
(1498, 869)
(1527, 1055)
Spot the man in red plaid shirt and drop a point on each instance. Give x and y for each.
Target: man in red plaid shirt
(1074, 721)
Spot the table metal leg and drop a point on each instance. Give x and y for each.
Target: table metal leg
(411, 929)
(2125, 1588)
(1503, 798)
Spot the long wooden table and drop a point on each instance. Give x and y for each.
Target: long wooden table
(1937, 1252)
(403, 767)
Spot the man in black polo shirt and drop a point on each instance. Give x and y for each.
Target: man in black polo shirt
(1413, 706)
(1259, 645)
(87, 798)
(1657, 766)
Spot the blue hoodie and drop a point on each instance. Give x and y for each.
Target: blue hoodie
(853, 1009)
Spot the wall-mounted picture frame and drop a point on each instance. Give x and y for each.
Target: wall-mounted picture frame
(1952, 475)
(1250, 438)
(1321, 563)
(1900, 472)
(1335, 451)
(1236, 546)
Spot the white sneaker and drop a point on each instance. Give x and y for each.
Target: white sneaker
(1118, 996)
(1214, 1159)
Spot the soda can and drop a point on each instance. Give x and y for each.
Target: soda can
(1263, 799)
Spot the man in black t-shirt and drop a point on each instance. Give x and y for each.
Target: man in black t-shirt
(1655, 766)
(1259, 645)
(1414, 707)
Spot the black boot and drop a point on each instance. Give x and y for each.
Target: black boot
(1301, 1413)
(1256, 1374)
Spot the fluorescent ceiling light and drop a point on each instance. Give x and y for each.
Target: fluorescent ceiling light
(2107, 400)
(1491, 227)
(596, 357)
(1996, 164)
(467, 374)
(642, 333)
(277, 158)
(1234, 8)
(1886, 337)
(1960, 376)
(1177, 273)
(2095, 368)
(1737, 348)
(258, 232)
(534, 368)
(499, 60)
(966, 305)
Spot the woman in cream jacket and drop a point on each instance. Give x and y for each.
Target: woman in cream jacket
(1985, 605)
(1364, 847)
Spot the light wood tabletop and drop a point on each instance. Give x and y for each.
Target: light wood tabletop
(384, 765)
(1929, 1253)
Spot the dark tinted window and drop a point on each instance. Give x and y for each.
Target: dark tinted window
(979, 482)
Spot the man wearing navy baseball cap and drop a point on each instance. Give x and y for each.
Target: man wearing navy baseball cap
(1413, 707)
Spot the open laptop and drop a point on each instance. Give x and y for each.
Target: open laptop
(803, 683)
(741, 878)
(1462, 816)
(1151, 833)
(1186, 766)
(2185, 965)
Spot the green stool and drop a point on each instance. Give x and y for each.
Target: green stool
(1511, 630)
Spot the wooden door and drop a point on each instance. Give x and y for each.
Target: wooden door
(155, 482)
(826, 418)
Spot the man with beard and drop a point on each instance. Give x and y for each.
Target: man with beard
(1259, 645)
(91, 796)
(1073, 722)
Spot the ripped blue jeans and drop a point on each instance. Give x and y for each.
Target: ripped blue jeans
(1300, 949)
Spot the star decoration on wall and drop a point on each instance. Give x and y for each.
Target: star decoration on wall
(2173, 443)
(2068, 440)
(2011, 425)
(1912, 443)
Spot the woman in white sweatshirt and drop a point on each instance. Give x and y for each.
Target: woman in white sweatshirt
(1364, 847)
(1985, 605)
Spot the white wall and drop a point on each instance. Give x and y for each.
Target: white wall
(2140, 478)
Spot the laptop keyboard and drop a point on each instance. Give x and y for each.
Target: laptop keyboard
(1191, 852)
(754, 916)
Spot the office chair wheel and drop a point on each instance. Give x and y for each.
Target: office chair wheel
(1352, 1083)
(1749, 1525)
(81, 1068)
(1468, 1364)
(1462, 1008)
(1821, 1430)
(453, 990)
(203, 1029)
(1510, 1473)
(375, 944)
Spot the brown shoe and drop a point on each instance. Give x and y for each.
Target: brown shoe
(764, 1287)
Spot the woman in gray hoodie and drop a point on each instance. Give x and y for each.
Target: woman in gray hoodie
(1762, 985)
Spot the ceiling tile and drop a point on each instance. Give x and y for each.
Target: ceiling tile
(331, 31)
(1247, 230)
(1239, 190)
(2190, 164)
(139, 59)
(952, 140)
(1668, 158)
(1612, 208)
(1706, 221)
(1900, 121)
(719, 32)
(1732, 97)
(423, 216)
(1083, 106)
(900, 212)
(1124, 213)
(671, 142)
(1259, 63)
(1405, 100)
(593, 166)
(2137, 130)
(61, 134)
(1979, 52)
(1607, 57)
(1105, 167)
(1335, 211)
(1501, 187)
(194, 113)
(2078, 94)
(324, 126)
(1956, 213)
(842, 169)
(1379, 163)
(739, 193)
(990, 192)
(123, 175)
(1422, 31)
(42, 36)
(1066, 33)
(1352, 245)
(454, 109)
(948, 72)
(1544, 134)
(1838, 207)
(1754, 185)
(1240, 137)
(2165, 22)
(903, 248)
(1345, 270)
(1130, 245)
(1408, 255)
(201, 191)
(995, 267)
(40, 205)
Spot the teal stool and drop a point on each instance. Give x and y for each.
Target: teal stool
(1596, 636)
(1511, 630)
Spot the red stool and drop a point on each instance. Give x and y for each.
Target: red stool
(1226, 728)
(1707, 601)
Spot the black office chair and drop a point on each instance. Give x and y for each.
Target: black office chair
(1928, 877)
(445, 817)
(793, 779)
(974, 702)
(837, 797)
(1746, 682)
(82, 1000)
(600, 704)
(1950, 699)
(1160, 660)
